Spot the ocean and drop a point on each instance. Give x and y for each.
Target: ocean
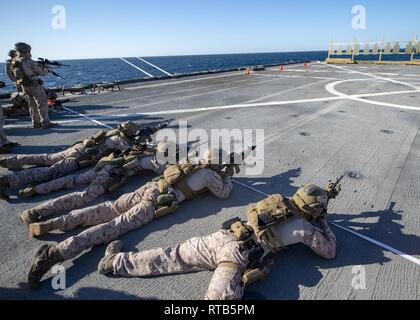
(100, 70)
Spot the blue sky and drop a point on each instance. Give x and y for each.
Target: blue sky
(110, 28)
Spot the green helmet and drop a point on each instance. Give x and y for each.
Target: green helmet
(22, 47)
(129, 128)
(12, 53)
(312, 200)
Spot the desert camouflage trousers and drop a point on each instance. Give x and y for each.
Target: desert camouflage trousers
(45, 159)
(197, 254)
(96, 181)
(38, 105)
(109, 220)
(3, 138)
(42, 174)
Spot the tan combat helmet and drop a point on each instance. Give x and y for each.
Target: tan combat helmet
(214, 156)
(129, 128)
(23, 48)
(312, 200)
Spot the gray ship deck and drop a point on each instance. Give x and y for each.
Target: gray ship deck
(357, 118)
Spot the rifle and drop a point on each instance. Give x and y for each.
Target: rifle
(45, 63)
(144, 135)
(232, 167)
(141, 147)
(334, 188)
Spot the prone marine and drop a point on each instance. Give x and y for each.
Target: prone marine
(54, 165)
(240, 253)
(110, 220)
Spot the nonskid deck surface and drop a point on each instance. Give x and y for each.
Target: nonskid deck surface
(319, 124)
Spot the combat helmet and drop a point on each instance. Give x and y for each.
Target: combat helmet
(312, 200)
(23, 47)
(12, 53)
(129, 128)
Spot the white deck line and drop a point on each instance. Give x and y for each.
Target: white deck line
(373, 241)
(134, 66)
(374, 76)
(172, 82)
(88, 118)
(278, 103)
(151, 64)
(235, 106)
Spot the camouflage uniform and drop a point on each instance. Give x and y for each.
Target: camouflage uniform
(9, 72)
(60, 163)
(3, 139)
(8, 69)
(35, 92)
(216, 252)
(97, 182)
(130, 211)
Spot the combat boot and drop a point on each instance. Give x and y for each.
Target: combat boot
(3, 163)
(4, 187)
(50, 125)
(106, 264)
(30, 216)
(46, 257)
(42, 228)
(28, 192)
(6, 148)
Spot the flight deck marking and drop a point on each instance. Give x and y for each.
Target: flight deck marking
(193, 95)
(331, 89)
(171, 75)
(169, 93)
(373, 241)
(236, 106)
(110, 117)
(88, 118)
(172, 82)
(134, 66)
(373, 76)
(270, 104)
(292, 76)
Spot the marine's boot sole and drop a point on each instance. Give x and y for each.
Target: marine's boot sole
(39, 229)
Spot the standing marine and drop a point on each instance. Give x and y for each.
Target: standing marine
(109, 220)
(27, 74)
(9, 71)
(239, 254)
(54, 165)
(5, 144)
